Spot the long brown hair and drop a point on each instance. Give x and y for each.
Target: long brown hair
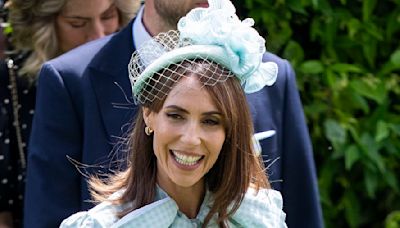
(236, 169)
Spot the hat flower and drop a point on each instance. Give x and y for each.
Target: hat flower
(244, 47)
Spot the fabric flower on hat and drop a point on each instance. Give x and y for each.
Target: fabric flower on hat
(244, 47)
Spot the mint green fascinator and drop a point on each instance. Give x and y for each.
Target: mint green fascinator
(215, 34)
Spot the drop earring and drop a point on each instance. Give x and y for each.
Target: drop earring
(148, 131)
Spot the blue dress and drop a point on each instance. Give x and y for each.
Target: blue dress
(256, 210)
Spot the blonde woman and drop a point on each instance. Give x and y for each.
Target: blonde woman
(42, 30)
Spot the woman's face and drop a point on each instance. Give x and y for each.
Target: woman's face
(188, 134)
(81, 21)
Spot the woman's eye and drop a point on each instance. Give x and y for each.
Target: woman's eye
(174, 116)
(78, 24)
(211, 122)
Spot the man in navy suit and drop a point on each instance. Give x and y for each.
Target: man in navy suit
(84, 104)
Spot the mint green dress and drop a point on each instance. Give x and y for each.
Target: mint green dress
(257, 210)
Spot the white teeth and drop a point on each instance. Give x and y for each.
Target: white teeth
(186, 159)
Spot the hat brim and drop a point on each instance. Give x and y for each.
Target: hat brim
(214, 53)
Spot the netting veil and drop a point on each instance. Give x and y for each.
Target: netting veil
(213, 37)
(155, 82)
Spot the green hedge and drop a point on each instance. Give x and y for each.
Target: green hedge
(347, 58)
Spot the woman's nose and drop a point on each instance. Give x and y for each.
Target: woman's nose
(97, 31)
(191, 135)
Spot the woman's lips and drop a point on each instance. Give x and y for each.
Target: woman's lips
(185, 161)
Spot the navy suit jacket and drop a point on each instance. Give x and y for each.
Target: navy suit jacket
(83, 105)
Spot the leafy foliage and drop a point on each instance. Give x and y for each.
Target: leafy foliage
(347, 58)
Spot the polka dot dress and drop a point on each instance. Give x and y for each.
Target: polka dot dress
(12, 170)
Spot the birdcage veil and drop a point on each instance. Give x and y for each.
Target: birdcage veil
(214, 37)
(155, 82)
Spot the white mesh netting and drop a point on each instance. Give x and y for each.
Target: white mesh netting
(160, 83)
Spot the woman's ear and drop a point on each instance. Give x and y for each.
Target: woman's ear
(146, 115)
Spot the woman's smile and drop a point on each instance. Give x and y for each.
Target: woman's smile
(186, 161)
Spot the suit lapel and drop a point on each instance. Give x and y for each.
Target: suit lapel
(109, 77)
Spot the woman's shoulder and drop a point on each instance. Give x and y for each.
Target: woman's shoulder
(16, 59)
(102, 215)
(265, 196)
(262, 208)
(160, 213)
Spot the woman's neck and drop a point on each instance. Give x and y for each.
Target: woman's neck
(188, 199)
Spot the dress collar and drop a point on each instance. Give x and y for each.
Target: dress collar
(165, 209)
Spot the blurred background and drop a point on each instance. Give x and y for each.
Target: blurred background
(347, 58)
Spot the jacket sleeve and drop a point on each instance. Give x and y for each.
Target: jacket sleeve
(299, 186)
(52, 189)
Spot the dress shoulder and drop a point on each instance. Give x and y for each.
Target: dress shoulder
(260, 209)
(101, 216)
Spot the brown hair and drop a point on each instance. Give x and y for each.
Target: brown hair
(236, 169)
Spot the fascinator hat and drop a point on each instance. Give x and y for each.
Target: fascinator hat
(213, 35)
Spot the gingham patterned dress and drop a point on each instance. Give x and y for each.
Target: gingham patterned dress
(261, 210)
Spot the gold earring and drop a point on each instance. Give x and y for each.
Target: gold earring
(148, 130)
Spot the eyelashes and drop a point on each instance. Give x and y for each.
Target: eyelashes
(209, 121)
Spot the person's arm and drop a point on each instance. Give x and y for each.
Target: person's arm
(53, 184)
(299, 186)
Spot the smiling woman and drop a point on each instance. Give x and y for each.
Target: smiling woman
(188, 134)
(191, 160)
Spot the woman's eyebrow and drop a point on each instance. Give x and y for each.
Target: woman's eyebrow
(212, 113)
(72, 16)
(77, 17)
(178, 108)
